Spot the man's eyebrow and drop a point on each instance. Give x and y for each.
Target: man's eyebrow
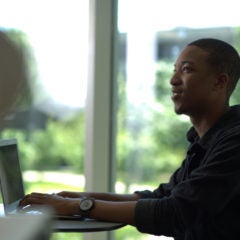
(184, 62)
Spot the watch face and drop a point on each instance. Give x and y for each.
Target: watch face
(86, 204)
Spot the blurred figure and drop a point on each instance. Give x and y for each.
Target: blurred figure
(13, 77)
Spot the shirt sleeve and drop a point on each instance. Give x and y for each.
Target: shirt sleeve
(160, 216)
(158, 203)
(206, 197)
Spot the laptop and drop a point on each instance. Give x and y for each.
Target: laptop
(11, 181)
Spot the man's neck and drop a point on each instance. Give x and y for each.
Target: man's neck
(202, 123)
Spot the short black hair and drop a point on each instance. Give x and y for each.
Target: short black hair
(223, 57)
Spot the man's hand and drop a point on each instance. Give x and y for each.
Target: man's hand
(61, 205)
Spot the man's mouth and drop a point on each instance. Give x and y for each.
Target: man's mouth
(176, 93)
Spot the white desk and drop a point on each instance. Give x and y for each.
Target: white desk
(88, 225)
(25, 227)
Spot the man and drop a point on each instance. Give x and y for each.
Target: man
(202, 198)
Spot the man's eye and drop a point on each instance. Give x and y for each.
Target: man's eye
(186, 69)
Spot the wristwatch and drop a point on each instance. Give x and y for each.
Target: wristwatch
(86, 205)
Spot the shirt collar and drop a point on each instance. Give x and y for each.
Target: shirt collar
(232, 116)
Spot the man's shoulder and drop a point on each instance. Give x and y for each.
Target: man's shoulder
(229, 124)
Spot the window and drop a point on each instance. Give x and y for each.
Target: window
(49, 121)
(150, 141)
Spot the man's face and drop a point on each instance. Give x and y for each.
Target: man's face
(192, 82)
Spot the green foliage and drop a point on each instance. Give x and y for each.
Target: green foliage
(236, 37)
(64, 236)
(235, 98)
(162, 88)
(60, 145)
(129, 233)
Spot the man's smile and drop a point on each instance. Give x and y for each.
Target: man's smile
(176, 92)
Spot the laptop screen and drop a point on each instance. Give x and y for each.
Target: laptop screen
(10, 172)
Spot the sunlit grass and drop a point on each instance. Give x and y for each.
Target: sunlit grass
(66, 236)
(52, 181)
(49, 187)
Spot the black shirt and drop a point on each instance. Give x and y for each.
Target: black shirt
(202, 198)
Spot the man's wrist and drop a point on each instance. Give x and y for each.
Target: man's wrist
(86, 205)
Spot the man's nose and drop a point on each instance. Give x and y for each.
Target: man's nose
(175, 79)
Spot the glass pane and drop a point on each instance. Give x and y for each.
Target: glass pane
(151, 137)
(48, 121)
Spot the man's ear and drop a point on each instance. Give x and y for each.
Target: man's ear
(222, 81)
